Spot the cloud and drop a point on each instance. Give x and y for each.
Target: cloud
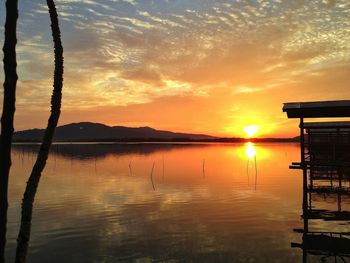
(123, 53)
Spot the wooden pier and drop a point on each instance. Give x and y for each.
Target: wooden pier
(325, 165)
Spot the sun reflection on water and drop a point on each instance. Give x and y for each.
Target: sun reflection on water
(250, 150)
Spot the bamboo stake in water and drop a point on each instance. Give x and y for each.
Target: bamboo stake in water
(203, 168)
(256, 173)
(130, 169)
(163, 167)
(152, 176)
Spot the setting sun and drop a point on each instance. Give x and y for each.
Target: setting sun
(251, 130)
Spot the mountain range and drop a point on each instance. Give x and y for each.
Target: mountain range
(97, 132)
(88, 131)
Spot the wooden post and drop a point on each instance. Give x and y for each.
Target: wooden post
(302, 143)
(304, 167)
(305, 192)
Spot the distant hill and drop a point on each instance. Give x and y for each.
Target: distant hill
(88, 131)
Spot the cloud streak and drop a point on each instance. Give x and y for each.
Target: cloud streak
(123, 53)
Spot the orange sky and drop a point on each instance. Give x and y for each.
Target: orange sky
(191, 66)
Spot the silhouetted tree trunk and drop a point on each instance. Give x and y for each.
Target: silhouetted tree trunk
(8, 111)
(33, 182)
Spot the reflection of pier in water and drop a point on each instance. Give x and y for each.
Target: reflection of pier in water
(325, 163)
(329, 245)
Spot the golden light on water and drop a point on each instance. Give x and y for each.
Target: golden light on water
(250, 150)
(251, 130)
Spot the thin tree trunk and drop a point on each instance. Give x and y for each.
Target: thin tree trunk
(33, 182)
(8, 111)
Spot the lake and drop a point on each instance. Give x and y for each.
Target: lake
(163, 203)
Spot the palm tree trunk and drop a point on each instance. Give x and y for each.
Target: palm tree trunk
(33, 182)
(8, 111)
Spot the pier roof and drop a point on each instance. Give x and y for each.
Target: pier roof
(317, 109)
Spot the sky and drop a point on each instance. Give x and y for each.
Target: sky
(199, 66)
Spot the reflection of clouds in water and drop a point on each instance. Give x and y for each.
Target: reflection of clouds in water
(111, 214)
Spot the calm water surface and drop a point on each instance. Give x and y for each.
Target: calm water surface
(201, 203)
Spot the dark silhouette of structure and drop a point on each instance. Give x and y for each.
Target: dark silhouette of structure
(33, 182)
(8, 111)
(329, 245)
(325, 162)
